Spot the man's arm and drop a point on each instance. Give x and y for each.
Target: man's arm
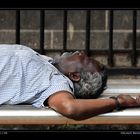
(79, 109)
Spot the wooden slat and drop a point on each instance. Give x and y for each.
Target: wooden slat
(35, 116)
(125, 86)
(25, 114)
(63, 120)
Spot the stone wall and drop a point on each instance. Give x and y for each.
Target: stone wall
(122, 38)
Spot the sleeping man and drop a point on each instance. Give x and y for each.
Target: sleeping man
(70, 83)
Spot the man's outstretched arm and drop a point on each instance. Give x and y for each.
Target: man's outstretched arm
(78, 109)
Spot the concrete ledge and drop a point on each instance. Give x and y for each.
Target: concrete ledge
(26, 114)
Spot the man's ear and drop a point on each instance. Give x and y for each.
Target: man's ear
(74, 76)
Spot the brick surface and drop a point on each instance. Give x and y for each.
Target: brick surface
(76, 25)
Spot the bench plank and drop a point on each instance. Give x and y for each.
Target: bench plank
(29, 115)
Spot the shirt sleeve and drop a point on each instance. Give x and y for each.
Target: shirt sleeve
(58, 83)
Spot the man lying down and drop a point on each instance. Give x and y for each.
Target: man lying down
(70, 83)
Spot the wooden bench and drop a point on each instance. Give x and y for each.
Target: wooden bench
(26, 114)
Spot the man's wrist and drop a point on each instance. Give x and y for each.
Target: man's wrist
(118, 105)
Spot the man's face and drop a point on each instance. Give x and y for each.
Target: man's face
(77, 61)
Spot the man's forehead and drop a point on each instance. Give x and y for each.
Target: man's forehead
(91, 58)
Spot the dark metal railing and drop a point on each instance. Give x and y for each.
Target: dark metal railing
(18, 26)
(110, 51)
(65, 30)
(134, 40)
(87, 47)
(42, 25)
(133, 70)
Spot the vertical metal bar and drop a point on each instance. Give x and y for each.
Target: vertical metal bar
(134, 57)
(17, 26)
(110, 53)
(88, 17)
(65, 30)
(42, 24)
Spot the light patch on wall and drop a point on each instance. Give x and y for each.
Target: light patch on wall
(71, 30)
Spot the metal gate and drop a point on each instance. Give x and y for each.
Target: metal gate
(113, 70)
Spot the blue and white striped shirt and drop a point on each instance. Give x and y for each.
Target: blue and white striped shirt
(27, 77)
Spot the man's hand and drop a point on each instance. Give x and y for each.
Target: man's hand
(128, 101)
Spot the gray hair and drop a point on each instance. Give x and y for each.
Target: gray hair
(90, 85)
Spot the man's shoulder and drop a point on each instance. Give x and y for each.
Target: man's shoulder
(46, 58)
(15, 47)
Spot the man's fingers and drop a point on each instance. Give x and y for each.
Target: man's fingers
(138, 99)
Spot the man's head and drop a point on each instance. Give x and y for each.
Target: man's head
(88, 75)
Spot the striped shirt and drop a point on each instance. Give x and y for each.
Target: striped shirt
(27, 77)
